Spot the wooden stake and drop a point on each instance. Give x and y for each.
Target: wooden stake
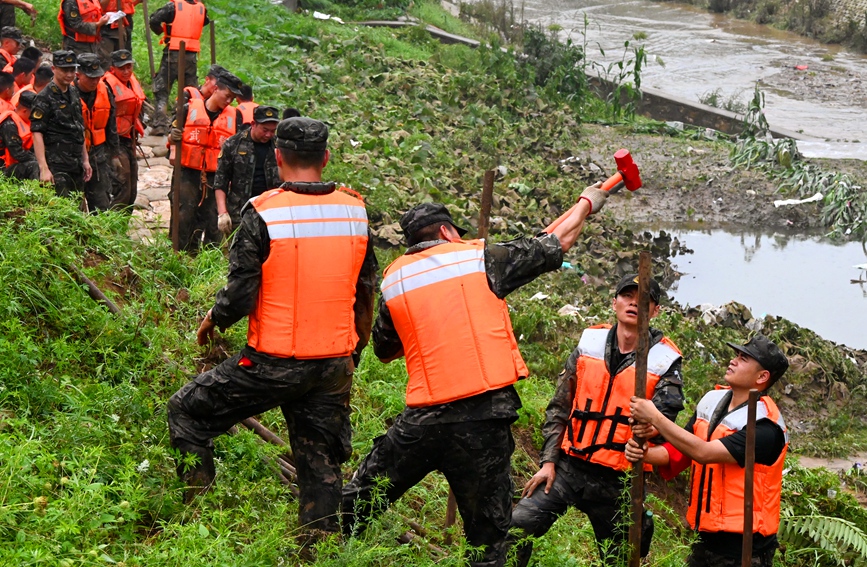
(121, 33)
(637, 487)
(179, 111)
(487, 201)
(144, 7)
(749, 485)
(451, 515)
(213, 44)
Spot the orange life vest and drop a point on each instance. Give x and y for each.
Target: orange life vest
(305, 304)
(247, 109)
(9, 58)
(194, 93)
(5, 105)
(716, 500)
(96, 118)
(23, 133)
(126, 6)
(128, 101)
(187, 26)
(457, 335)
(17, 96)
(202, 139)
(599, 425)
(90, 12)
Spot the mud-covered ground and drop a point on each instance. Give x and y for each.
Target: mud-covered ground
(825, 82)
(693, 181)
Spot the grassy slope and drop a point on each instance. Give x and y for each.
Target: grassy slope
(83, 392)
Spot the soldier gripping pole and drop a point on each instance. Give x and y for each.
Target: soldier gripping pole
(749, 485)
(144, 7)
(176, 180)
(637, 486)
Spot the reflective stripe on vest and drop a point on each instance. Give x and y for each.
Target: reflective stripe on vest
(305, 307)
(247, 109)
(23, 133)
(187, 26)
(716, 501)
(599, 426)
(17, 96)
(128, 101)
(90, 12)
(203, 139)
(457, 335)
(96, 118)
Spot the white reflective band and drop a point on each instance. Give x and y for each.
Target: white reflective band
(317, 229)
(314, 212)
(592, 342)
(660, 358)
(435, 269)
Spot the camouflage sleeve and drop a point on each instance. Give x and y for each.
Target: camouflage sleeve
(386, 341)
(559, 410)
(668, 394)
(164, 15)
(225, 165)
(40, 114)
(510, 265)
(73, 19)
(13, 143)
(248, 252)
(365, 289)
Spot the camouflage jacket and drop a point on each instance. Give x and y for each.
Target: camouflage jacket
(508, 265)
(9, 139)
(57, 116)
(248, 252)
(668, 395)
(235, 170)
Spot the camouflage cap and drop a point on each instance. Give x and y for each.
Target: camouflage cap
(63, 58)
(631, 280)
(426, 214)
(263, 114)
(26, 99)
(121, 58)
(90, 66)
(11, 32)
(766, 353)
(216, 70)
(302, 134)
(230, 81)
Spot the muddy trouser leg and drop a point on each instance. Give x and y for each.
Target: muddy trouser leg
(97, 189)
(477, 465)
(125, 185)
(702, 556)
(320, 436)
(191, 71)
(23, 170)
(190, 192)
(7, 15)
(162, 85)
(206, 214)
(80, 47)
(221, 397)
(399, 460)
(130, 21)
(107, 44)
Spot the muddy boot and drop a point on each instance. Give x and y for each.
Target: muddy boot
(160, 123)
(307, 541)
(199, 478)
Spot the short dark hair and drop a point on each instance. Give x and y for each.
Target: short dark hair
(429, 232)
(6, 80)
(23, 65)
(32, 52)
(302, 160)
(291, 113)
(42, 76)
(246, 93)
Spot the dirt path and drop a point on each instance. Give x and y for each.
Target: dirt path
(152, 210)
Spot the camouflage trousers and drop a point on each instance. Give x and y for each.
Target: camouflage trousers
(474, 456)
(197, 210)
(701, 556)
(314, 397)
(596, 490)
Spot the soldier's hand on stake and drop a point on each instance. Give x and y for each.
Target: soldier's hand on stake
(176, 135)
(643, 410)
(206, 330)
(546, 474)
(224, 224)
(633, 452)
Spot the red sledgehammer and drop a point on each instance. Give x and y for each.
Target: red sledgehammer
(627, 176)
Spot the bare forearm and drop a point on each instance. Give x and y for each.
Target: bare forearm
(220, 196)
(569, 225)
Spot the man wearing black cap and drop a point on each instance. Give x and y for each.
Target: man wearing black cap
(587, 424)
(205, 127)
(209, 85)
(302, 267)
(10, 43)
(247, 167)
(128, 100)
(16, 140)
(58, 129)
(713, 443)
(443, 308)
(80, 24)
(100, 131)
(175, 25)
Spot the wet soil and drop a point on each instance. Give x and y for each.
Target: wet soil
(824, 82)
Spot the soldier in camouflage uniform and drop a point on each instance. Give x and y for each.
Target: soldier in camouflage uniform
(580, 477)
(468, 439)
(25, 165)
(58, 129)
(247, 167)
(72, 24)
(312, 392)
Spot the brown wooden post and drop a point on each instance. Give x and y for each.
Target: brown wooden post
(749, 485)
(176, 185)
(144, 7)
(213, 44)
(121, 33)
(637, 487)
(487, 201)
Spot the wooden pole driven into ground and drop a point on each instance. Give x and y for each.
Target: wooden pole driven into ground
(144, 7)
(176, 183)
(487, 201)
(213, 44)
(749, 485)
(637, 487)
(121, 33)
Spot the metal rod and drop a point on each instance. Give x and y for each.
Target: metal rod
(487, 201)
(179, 111)
(637, 487)
(213, 44)
(749, 486)
(147, 26)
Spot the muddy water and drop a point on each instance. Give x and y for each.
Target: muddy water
(803, 278)
(703, 52)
